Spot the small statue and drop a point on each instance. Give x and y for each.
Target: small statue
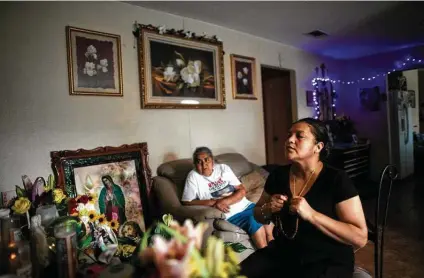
(40, 239)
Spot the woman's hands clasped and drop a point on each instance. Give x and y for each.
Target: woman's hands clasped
(300, 206)
(277, 202)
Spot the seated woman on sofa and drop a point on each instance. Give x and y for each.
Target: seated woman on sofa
(216, 185)
(316, 209)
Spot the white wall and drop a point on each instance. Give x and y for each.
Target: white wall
(39, 116)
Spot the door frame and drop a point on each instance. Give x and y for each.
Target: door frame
(293, 96)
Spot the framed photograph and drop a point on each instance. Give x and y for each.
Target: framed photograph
(243, 76)
(180, 70)
(310, 99)
(94, 62)
(120, 177)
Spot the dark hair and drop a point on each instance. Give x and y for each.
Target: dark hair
(109, 178)
(200, 150)
(320, 132)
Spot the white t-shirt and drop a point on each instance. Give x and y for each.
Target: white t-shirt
(221, 183)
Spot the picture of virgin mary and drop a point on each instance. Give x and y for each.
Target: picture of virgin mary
(112, 200)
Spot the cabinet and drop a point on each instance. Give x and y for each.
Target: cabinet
(354, 159)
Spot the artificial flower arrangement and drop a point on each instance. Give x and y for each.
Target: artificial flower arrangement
(175, 251)
(96, 236)
(32, 195)
(165, 250)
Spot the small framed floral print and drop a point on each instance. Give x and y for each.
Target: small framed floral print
(243, 75)
(94, 62)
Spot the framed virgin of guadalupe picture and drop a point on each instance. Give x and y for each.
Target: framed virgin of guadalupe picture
(118, 177)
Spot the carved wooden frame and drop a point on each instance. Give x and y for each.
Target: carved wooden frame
(63, 163)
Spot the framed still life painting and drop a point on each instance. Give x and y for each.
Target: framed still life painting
(94, 62)
(180, 70)
(119, 177)
(243, 76)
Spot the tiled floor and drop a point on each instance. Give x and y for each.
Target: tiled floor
(404, 240)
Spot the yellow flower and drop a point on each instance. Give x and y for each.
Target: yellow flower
(83, 212)
(58, 196)
(21, 205)
(92, 198)
(114, 224)
(92, 215)
(101, 219)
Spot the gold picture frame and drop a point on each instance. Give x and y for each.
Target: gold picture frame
(243, 77)
(94, 62)
(180, 70)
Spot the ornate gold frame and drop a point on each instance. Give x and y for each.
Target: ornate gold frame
(179, 36)
(252, 61)
(118, 70)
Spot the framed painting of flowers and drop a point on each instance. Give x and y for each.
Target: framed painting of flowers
(179, 69)
(118, 178)
(94, 62)
(243, 75)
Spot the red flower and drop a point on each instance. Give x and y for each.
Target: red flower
(72, 206)
(72, 210)
(83, 199)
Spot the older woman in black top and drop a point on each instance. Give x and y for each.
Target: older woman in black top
(316, 210)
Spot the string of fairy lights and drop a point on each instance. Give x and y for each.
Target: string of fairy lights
(400, 65)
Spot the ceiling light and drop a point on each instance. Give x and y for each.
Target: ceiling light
(317, 34)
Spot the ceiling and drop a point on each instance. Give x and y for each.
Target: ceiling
(355, 29)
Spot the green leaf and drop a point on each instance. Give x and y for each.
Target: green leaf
(167, 219)
(20, 192)
(179, 55)
(85, 241)
(237, 246)
(50, 183)
(144, 240)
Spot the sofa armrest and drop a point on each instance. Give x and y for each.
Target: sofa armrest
(197, 213)
(167, 197)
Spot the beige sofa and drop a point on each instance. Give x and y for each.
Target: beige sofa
(169, 183)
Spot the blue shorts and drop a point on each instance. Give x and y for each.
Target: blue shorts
(246, 220)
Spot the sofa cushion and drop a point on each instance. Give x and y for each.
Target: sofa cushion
(224, 225)
(238, 163)
(177, 172)
(252, 180)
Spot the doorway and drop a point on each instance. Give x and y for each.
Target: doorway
(278, 113)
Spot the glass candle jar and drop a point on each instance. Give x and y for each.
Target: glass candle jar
(66, 249)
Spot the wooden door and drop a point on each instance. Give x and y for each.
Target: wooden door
(276, 92)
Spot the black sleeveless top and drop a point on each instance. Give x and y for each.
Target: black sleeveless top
(310, 245)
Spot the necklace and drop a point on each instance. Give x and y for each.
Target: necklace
(279, 223)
